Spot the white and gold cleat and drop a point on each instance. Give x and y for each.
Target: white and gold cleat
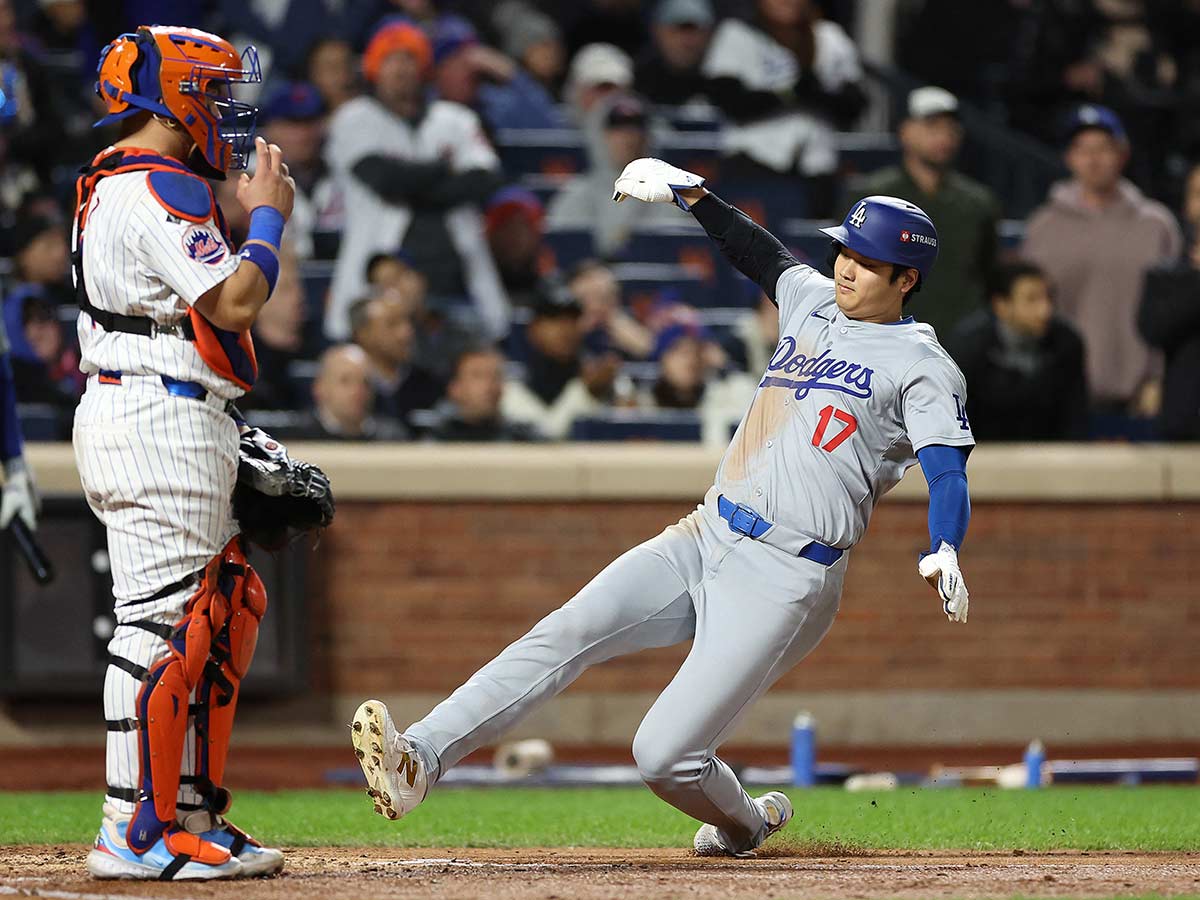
(775, 806)
(396, 778)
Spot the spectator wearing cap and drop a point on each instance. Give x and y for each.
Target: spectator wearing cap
(413, 175)
(382, 326)
(1095, 237)
(481, 77)
(790, 49)
(597, 71)
(292, 115)
(1169, 319)
(687, 381)
(670, 70)
(534, 40)
(474, 399)
(964, 211)
(515, 221)
(561, 382)
(437, 337)
(617, 131)
(1023, 364)
(343, 398)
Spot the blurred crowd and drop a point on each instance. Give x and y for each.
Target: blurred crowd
(455, 269)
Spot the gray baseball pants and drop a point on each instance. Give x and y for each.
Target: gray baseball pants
(752, 612)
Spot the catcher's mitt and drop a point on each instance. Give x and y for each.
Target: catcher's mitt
(278, 498)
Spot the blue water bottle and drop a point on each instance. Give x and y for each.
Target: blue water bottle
(804, 751)
(1035, 761)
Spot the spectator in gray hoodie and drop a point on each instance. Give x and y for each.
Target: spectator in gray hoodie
(617, 131)
(1095, 238)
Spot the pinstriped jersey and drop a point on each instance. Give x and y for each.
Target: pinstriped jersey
(839, 414)
(141, 260)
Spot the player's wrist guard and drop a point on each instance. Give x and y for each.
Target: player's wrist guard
(263, 242)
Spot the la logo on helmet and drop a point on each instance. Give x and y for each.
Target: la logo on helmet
(859, 216)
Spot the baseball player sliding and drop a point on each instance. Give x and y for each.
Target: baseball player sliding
(855, 393)
(166, 309)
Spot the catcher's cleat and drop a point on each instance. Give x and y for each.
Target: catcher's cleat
(176, 856)
(775, 806)
(396, 778)
(257, 861)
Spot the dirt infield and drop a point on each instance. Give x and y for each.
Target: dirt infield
(582, 874)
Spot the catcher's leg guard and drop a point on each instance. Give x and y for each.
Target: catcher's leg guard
(217, 692)
(162, 704)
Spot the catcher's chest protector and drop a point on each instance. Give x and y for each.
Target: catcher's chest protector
(228, 354)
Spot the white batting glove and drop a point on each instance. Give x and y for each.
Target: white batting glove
(941, 570)
(654, 181)
(19, 494)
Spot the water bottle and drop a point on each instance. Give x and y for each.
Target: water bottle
(1035, 761)
(804, 751)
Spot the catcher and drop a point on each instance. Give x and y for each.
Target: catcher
(166, 307)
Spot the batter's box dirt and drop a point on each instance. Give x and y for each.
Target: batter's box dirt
(557, 874)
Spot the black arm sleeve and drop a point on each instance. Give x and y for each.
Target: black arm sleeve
(397, 180)
(842, 106)
(429, 185)
(750, 248)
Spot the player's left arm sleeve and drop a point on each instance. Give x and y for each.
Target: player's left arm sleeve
(945, 471)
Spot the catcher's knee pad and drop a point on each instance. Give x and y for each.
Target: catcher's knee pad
(217, 693)
(162, 705)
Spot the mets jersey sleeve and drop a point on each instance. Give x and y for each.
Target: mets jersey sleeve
(934, 403)
(189, 256)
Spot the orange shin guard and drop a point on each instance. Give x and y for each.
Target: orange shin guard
(217, 694)
(163, 700)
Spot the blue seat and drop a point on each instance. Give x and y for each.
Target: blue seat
(40, 422)
(638, 425)
(541, 151)
(569, 247)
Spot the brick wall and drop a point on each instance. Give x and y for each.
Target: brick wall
(413, 597)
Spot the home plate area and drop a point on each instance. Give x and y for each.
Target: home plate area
(563, 874)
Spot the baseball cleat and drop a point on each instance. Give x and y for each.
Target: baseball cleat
(257, 861)
(176, 856)
(396, 776)
(775, 806)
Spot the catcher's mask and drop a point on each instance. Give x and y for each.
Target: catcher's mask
(186, 75)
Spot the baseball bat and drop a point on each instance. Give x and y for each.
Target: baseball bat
(39, 564)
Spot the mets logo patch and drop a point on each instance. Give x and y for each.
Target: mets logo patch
(201, 245)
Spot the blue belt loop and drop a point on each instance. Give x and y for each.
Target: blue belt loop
(745, 521)
(190, 389)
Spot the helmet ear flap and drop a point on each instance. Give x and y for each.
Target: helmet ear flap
(115, 73)
(128, 66)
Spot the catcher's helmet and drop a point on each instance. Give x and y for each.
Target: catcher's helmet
(890, 230)
(187, 75)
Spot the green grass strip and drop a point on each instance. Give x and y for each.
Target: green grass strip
(1084, 818)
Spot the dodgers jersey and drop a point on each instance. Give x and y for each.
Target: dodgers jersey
(839, 414)
(141, 260)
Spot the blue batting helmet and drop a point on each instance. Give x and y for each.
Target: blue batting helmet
(890, 230)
